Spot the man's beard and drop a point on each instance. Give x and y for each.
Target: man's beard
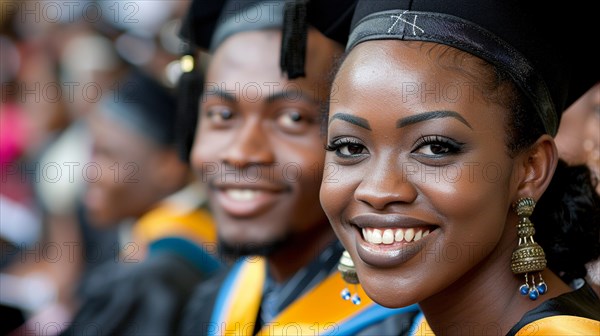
(237, 250)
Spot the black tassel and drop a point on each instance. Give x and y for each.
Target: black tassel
(294, 36)
(189, 90)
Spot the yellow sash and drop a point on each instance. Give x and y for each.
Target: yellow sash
(561, 325)
(558, 325)
(168, 220)
(319, 311)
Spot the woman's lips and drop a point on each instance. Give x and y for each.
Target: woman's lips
(390, 240)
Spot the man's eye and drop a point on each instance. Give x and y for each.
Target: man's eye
(289, 118)
(219, 115)
(292, 121)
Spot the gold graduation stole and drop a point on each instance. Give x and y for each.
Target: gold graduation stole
(320, 311)
(168, 220)
(559, 325)
(189, 233)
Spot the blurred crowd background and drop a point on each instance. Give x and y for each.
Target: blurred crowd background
(60, 60)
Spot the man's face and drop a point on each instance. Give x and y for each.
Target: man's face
(258, 144)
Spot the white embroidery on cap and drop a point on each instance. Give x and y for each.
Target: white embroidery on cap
(412, 24)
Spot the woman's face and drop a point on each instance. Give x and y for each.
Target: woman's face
(418, 183)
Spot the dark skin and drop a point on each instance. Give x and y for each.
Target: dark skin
(417, 163)
(259, 148)
(578, 138)
(136, 172)
(578, 142)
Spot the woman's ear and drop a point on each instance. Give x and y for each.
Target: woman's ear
(537, 167)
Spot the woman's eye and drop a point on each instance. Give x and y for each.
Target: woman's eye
(347, 148)
(437, 146)
(434, 149)
(351, 149)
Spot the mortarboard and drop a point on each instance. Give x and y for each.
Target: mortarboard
(544, 48)
(208, 23)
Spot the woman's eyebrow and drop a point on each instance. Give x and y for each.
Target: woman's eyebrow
(406, 121)
(358, 121)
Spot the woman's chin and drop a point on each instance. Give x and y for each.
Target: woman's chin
(389, 297)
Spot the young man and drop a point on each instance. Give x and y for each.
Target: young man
(259, 148)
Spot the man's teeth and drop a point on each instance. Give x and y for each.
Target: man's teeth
(242, 195)
(389, 236)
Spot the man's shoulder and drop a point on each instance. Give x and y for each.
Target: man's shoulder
(199, 308)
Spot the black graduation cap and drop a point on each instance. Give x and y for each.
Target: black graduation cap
(143, 105)
(544, 48)
(208, 23)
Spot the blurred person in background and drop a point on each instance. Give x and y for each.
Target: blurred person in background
(57, 56)
(153, 195)
(39, 276)
(578, 143)
(578, 138)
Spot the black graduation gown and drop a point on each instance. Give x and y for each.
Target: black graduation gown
(137, 299)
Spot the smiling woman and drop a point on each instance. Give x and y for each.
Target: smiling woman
(439, 188)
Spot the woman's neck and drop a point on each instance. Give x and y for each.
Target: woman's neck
(486, 300)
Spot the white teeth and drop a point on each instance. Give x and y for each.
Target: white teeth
(242, 195)
(409, 235)
(376, 237)
(388, 237)
(418, 235)
(399, 235)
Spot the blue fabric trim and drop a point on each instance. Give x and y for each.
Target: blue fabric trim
(368, 317)
(224, 294)
(416, 322)
(188, 250)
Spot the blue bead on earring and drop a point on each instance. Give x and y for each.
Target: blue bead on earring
(346, 268)
(346, 294)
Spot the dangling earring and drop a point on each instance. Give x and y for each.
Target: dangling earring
(346, 268)
(528, 256)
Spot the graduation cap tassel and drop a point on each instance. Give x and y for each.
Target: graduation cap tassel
(189, 90)
(294, 36)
